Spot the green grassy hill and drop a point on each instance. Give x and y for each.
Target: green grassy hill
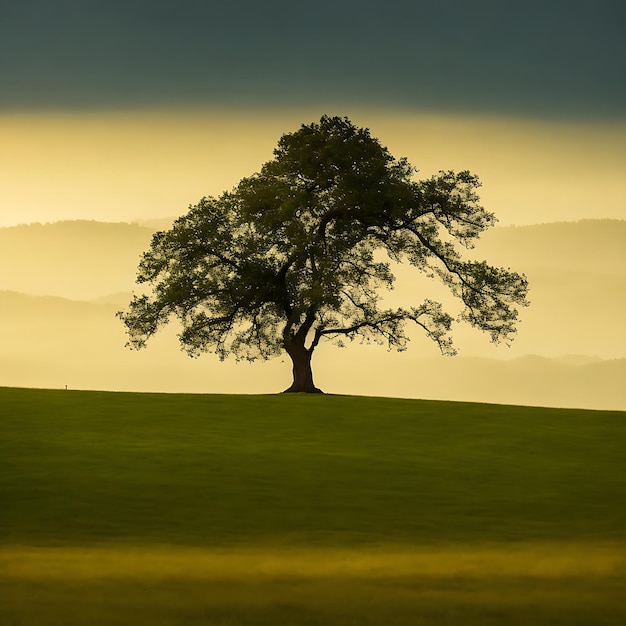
(90, 467)
(107, 495)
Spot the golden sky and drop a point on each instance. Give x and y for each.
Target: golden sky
(144, 164)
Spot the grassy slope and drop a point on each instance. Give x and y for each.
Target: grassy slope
(91, 467)
(229, 510)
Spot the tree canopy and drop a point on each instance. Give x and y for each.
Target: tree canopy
(301, 251)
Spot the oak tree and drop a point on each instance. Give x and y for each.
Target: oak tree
(301, 251)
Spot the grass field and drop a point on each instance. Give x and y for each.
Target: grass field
(236, 510)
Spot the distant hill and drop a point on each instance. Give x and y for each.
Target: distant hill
(577, 277)
(74, 259)
(53, 342)
(89, 259)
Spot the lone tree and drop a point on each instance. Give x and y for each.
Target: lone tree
(292, 256)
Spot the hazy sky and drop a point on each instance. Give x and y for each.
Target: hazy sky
(132, 110)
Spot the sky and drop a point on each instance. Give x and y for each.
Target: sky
(132, 110)
(560, 59)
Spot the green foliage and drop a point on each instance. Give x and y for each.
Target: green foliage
(293, 254)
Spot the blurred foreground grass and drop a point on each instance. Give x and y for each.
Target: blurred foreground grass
(569, 584)
(188, 509)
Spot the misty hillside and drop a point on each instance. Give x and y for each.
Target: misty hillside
(52, 342)
(87, 259)
(577, 277)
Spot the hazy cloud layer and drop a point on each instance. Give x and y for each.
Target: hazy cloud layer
(547, 59)
(122, 166)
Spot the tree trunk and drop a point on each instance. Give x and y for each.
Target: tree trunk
(302, 373)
